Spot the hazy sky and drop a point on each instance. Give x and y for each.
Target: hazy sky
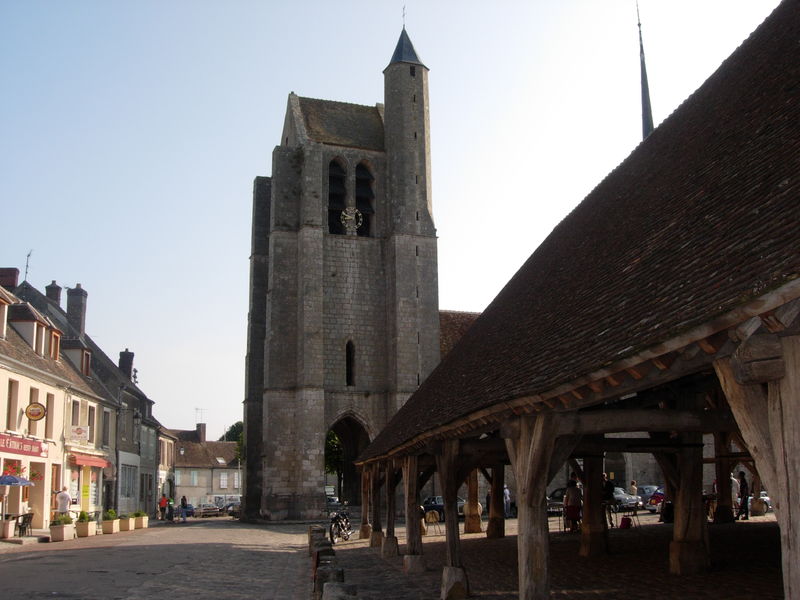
(131, 131)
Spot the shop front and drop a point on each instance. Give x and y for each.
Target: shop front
(85, 481)
(30, 460)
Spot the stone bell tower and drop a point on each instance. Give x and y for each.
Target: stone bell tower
(343, 323)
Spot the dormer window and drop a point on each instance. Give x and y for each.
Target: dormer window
(39, 337)
(86, 362)
(3, 319)
(55, 345)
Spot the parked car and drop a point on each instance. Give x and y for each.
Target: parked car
(232, 509)
(656, 498)
(207, 510)
(645, 491)
(437, 503)
(189, 510)
(764, 497)
(626, 501)
(332, 503)
(555, 501)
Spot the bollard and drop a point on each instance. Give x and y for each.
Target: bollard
(339, 591)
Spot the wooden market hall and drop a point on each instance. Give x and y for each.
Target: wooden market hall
(666, 304)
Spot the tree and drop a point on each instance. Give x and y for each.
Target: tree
(235, 433)
(334, 458)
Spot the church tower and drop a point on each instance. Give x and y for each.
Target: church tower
(343, 323)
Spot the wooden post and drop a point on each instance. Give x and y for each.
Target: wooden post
(594, 527)
(497, 522)
(723, 513)
(412, 561)
(376, 539)
(389, 547)
(472, 513)
(689, 551)
(366, 530)
(454, 577)
(770, 426)
(531, 453)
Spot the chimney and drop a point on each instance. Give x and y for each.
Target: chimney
(9, 277)
(201, 432)
(76, 308)
(53, 292)
(126, 363)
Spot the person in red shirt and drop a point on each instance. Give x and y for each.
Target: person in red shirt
(162, 505)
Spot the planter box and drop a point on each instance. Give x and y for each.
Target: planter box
(141, 522)
(59, 533)
(126, 524)
(7, 528)
(87, 529)
(111, 526)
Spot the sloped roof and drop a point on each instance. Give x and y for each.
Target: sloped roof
(205, 454)
(453, 325)
(343, 124)
(700, 219)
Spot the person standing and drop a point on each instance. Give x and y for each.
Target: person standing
(573, 500)
(634, 490)
(744, 496)
(608, 498)
(162, 506)
(184, 509)
(63, 500)
(506, 501)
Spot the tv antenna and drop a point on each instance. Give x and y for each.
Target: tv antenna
(27, 263)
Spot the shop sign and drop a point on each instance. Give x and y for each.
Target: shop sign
(79, 433)
(17, 445)
(35, 411)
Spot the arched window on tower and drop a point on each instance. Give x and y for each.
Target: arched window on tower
(336, 197)
(365, 198)
(350, 360)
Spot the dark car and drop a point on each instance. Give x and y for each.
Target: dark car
(555, 501)
(232, 509)
(656, 498)
(645, 491)
(189, 510)
(437, 503)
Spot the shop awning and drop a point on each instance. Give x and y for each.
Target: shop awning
(88, 461)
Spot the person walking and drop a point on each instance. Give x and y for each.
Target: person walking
(506, 501)
(63, 500)
(573, 501)
(744, 496)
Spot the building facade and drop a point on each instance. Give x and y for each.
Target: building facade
(343, 322)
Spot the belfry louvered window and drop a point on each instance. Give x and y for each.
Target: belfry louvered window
(336, 197)
(365, 198)
(350, 360)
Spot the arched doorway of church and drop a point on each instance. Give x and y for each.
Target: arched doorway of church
(343, 443)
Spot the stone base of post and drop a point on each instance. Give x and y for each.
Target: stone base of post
(389, 548)
(454, 583)
(365, 532)
(593, 541)
(496, 527)
(413, 563)
(376, 539)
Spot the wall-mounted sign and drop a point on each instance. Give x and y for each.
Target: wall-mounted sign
(79, 433)
(17, 445)
(35, 411)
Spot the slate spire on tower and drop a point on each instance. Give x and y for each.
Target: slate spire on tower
(404, 52)
(647, 113)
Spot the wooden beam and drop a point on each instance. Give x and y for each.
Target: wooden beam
(620, 420)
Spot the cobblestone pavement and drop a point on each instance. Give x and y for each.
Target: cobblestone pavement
(220, 558)
(745, 565)
(212, 558)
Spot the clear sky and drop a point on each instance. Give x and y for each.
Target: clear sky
(131, 131)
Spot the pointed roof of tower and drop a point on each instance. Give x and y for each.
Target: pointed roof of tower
(404, 52)
(647, 111)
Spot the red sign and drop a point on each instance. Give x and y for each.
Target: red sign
(17, 445)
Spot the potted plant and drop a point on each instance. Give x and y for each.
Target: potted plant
(126, 523)
(140, 519)
(110, 521)
(62, 529)
(85, 526)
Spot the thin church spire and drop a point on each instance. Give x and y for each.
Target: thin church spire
(647, 112)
